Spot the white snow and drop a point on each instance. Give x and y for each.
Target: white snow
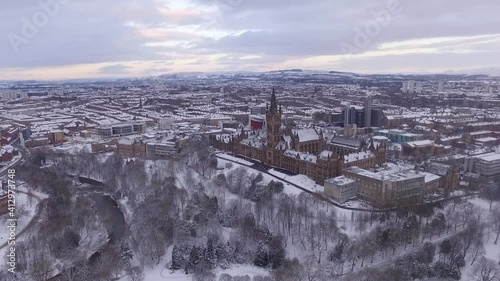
(235, 159)
(300, 180)
(288, 188)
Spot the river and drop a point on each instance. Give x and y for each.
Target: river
(105, 204)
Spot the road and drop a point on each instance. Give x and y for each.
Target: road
(38, 199)
(263, 168)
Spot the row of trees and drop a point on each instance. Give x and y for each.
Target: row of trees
(210, 216)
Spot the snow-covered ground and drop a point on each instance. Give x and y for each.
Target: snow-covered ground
(300, 180)
(22, 206)
(288, 188)
(235, 159)
(492, 251)
(26, 211)
(160, 272)
(72, 147)
(344, 217)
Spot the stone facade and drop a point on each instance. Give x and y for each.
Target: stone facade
(301, 151)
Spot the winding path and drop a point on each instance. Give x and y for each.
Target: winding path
(39, 200)
(33, 220)
(263, 168)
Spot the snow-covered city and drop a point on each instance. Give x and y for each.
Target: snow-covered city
(249, 140)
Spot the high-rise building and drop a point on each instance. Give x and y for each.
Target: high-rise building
(377, 117)
(347, 115)
(419, 87)
(368, 112)
(12, 95)
(441, 86)
(411, 86)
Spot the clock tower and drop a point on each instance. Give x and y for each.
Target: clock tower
(273, 125)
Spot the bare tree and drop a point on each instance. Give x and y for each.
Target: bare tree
(313, 271)
(41, 269)
(135, 273)
(495, 222)
(485, 270)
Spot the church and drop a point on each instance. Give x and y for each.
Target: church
(308, 151)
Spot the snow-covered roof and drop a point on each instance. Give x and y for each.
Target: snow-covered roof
(346, 141)
(307, 135)
(420, 143)
(353, 157)
(480, 133)
(6, 149)
(430, 177)
(325, 154)
(380, 138)
(301, 155)
(339, 181)
(490, 157)
(439, 168)
(486, 139)
(389, 174)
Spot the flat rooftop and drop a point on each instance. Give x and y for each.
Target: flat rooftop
(342, 180)
(390, 174)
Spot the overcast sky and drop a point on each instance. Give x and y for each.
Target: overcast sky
(129, 38)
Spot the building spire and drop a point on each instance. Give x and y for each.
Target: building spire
(274, 104)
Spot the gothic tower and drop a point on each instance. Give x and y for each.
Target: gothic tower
(273, 122)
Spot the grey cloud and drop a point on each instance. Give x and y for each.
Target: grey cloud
(78, 33)
(320, 27)
(113, 69)
(92, 31)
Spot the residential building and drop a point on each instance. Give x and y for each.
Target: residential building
(487, 142)
(36, 142)
(12, 95)
(56, 136)
(472, 136)
(440, 87)
(165, 123)
(418, 89)
(7, 152)
(399, 136)
(424, 148)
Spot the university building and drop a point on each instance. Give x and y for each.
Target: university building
(302, 151)
(388, 187)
